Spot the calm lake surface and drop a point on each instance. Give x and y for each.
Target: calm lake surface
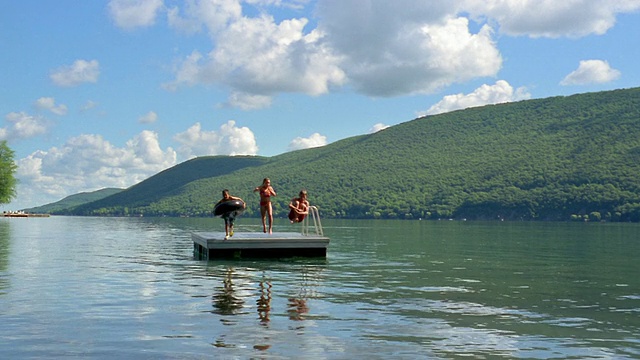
(76, 287)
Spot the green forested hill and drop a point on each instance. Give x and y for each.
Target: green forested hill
(169, 184)
(74, 200)
(558, 158)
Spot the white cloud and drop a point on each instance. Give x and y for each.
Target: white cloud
(572, 18)
(81, 71)
(246, 101)
(23, 126)
(148, 118)
(386, 51)
(229, 140)
(501, 92)
(129, 14)
(380, 48)
(293, 4)
(214, 15)
(148, 153)
(315, 140)
(591, 72)
(187, 72)
(90, 104)
(376, 48)
(257, 57)
(88, 163)
(377, 127)
(419, 47)
(49, 103)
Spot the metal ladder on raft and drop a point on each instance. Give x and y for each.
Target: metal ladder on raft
(316, 227)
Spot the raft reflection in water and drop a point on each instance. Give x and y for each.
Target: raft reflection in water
(240, 288)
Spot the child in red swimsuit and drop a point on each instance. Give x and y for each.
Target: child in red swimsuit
(266, 192)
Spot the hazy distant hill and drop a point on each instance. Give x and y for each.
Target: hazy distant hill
(74, 200)
(558, 158)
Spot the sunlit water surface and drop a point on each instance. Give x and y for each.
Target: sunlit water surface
(131, 288)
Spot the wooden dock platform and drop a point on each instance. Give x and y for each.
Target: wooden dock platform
(210, 245)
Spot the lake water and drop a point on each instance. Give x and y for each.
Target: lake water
(74, 287)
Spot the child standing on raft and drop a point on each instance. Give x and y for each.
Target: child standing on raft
(266, 192)
(229, 217)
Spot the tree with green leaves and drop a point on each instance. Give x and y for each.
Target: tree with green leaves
(7, 170)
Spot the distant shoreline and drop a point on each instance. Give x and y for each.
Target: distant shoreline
(21, 215)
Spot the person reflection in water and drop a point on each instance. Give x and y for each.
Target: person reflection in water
(226, 302)
(264, 308)
(264, 302)
(297, 309)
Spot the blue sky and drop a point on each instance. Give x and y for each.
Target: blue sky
(102, 94)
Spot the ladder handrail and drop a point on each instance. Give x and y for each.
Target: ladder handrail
(317, 226)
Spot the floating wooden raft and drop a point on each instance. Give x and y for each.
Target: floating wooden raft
(209, 245)
(309, 242)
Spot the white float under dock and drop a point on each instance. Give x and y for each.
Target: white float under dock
(309, 242)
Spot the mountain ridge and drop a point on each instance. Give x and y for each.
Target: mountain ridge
(557, 158)
(74, 200)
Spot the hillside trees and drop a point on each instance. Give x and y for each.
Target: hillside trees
(7, 171)
(560, 158)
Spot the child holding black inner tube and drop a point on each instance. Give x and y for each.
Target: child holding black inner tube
(229, 217)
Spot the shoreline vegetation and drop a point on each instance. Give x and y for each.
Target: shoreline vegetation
(573, 158)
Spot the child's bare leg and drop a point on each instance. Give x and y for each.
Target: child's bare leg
(263, 212)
